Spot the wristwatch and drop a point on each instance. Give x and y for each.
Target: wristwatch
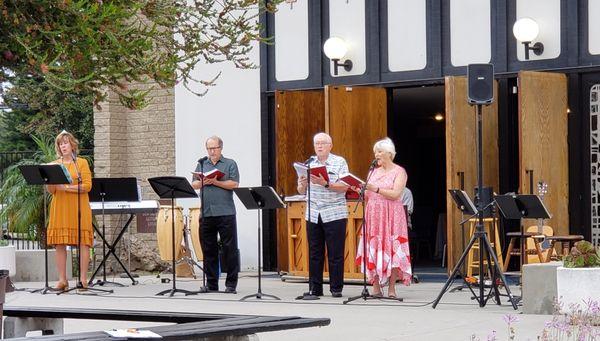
(327, 185)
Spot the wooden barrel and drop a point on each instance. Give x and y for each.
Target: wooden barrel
(194, 226)
(164, 233)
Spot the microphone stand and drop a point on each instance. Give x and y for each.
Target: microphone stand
(365, 295)
(204, 288)
(79, 285)
(310, 296)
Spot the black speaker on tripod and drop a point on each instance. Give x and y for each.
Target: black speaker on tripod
(481, 83)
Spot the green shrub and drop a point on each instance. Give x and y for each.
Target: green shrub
(583, 255)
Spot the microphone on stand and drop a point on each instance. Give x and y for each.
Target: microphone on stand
(203, 159)
(74, 156)
(373, 164)
(309, 160)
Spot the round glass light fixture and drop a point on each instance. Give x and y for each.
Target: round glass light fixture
(526, 29)
(335, 48)
(439, 117)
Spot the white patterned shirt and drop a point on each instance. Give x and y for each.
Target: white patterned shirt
(331, 205)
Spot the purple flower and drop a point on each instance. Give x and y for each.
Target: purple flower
(510, 319)
(492, 336)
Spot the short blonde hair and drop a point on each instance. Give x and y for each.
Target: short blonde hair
(72, 140)
(385, 145)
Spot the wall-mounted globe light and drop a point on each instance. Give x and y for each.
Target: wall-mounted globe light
(335, 48)
(526, 30)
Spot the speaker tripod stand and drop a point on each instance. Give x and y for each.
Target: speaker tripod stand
(485, 248)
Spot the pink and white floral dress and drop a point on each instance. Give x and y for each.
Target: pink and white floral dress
(387, 231)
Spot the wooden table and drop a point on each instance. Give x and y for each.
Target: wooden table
(565, 242)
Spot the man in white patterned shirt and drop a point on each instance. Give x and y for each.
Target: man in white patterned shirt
(326, 218)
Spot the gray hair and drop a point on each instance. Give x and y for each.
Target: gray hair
(386, 145)
(321, 134)
(215, 138)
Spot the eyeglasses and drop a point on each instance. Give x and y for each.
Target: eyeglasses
(210, 149)
(321, 143)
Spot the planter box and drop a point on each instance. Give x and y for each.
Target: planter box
(539, 287)
(577, 286)
(31, 266)
(8, 260)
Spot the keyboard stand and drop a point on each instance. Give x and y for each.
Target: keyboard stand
(111, 250)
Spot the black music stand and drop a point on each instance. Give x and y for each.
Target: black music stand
(171, 187)
(259, 198)
(111, 189)
(44, 175)
(467, 208)
(521, 206)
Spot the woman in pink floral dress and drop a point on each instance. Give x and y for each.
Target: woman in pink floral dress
(388, 258)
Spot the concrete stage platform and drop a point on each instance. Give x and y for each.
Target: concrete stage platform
(457, 317)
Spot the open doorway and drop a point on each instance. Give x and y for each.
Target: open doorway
(416, 125)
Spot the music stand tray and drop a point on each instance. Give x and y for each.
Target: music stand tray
(259, 198)
(44, 175)
(172, 187)
(520, 206)
(110, 190)
(463, 202)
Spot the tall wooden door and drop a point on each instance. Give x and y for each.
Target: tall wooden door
(356, 117)
(461, 156)
(543, 148)
(298, 116)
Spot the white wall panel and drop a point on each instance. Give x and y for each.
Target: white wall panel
(594, 26)
(291, 41)
(347, 21)
(231, 110)
(547, 14)
(407, 35)
(470, 32)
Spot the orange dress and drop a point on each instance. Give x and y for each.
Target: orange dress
(62, 225)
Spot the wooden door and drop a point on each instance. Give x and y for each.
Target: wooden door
(543, 149)
(356, 118)
(298, 116)
(461, 156)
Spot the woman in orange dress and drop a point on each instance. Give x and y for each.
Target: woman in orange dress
(63, 222)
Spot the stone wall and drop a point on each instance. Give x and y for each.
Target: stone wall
(135, 143)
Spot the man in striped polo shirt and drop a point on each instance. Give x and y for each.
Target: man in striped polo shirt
(326, 218)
